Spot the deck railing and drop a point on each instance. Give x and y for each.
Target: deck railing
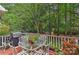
(57, 41)
(4, 40)
(53, 40)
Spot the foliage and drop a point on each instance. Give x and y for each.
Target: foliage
(70, 48)
(34, 37)
(4, 29)
(57, 18)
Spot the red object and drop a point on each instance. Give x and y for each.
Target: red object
(18, 49)
(52, 53)
(11, 51)
(66, 43)
(31, 42)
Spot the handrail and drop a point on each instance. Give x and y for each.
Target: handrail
(62, 36)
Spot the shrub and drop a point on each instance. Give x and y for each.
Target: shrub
(33, 37)
(4, 29)
(70, 48)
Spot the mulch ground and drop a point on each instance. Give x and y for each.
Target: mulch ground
(11, 51)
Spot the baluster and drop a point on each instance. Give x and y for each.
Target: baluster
(4, 43)
(55, 42)
(48, 40)
(2, 40)
(51, 40)
(58, 42)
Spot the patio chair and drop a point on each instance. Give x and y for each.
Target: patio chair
(23, 42)
(39, 44)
